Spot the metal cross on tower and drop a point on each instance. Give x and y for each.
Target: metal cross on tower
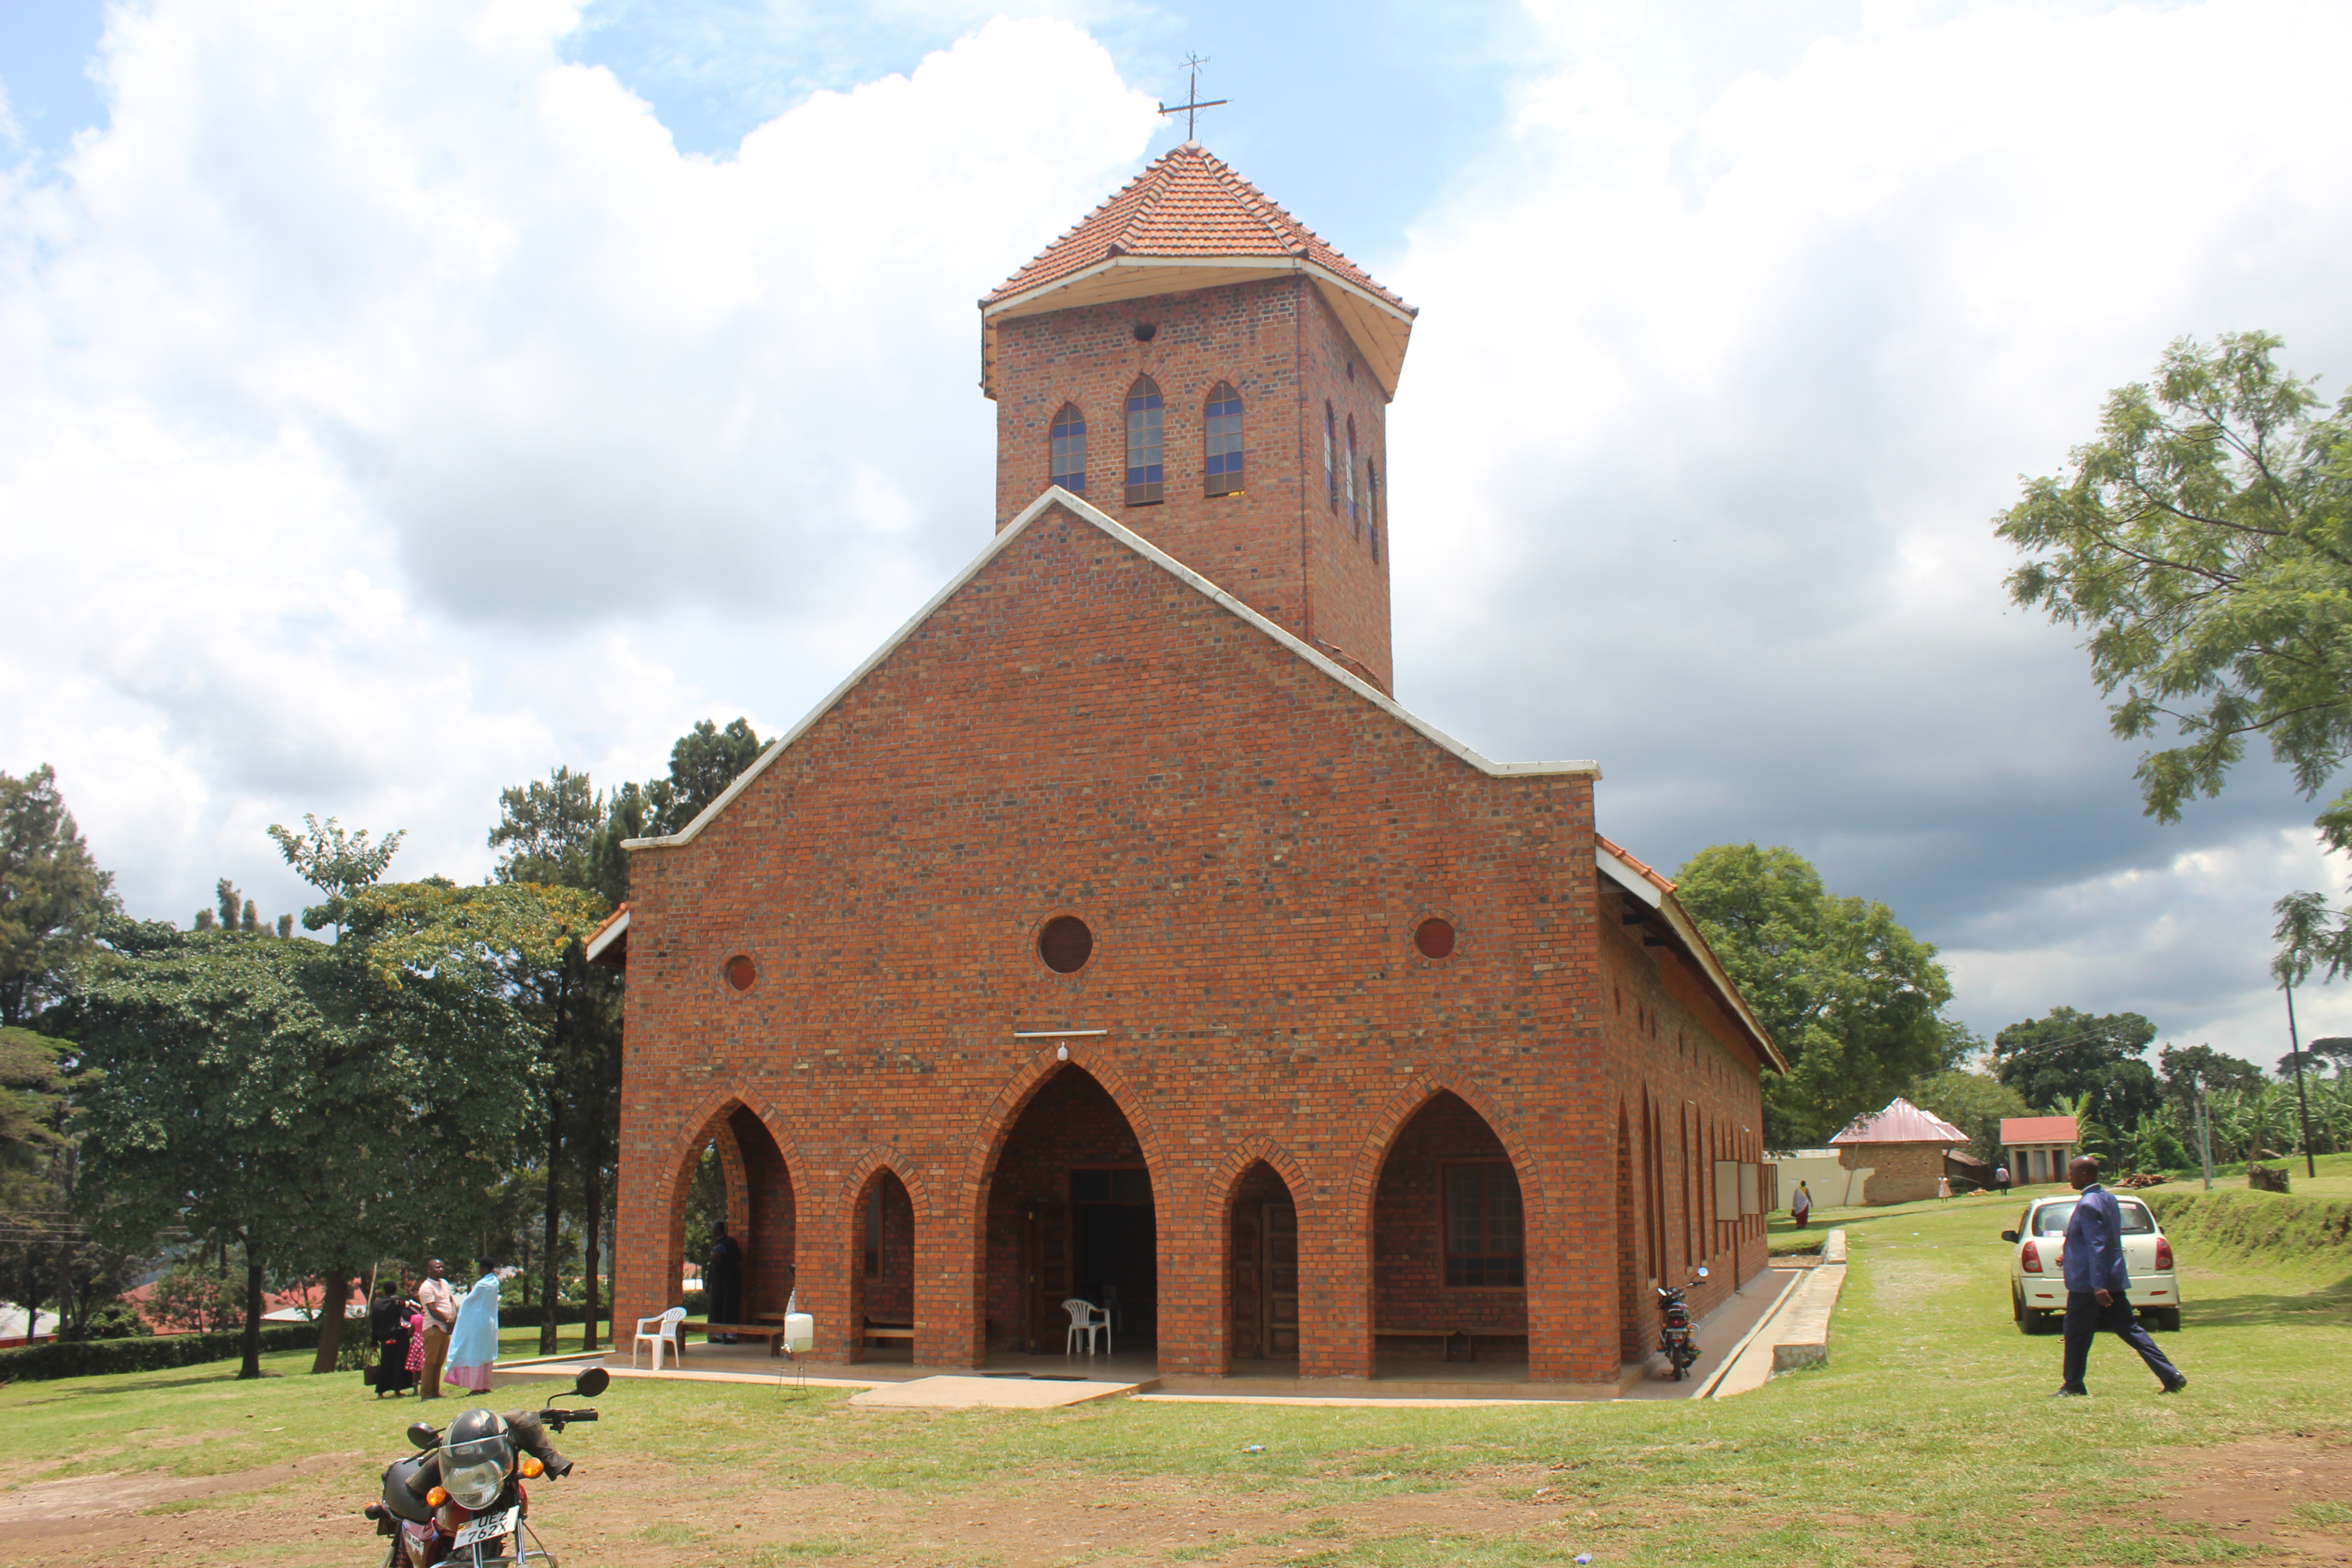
(1191, 111)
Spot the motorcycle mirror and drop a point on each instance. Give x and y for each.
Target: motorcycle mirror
(420, 1436)
(592, 1383)
(1702, 1271)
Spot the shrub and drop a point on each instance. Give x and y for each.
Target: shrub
(87, 1358)
(115, 1320)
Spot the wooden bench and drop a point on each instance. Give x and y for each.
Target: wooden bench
(1444, 1338)
(771, 1333)
(889, 1330)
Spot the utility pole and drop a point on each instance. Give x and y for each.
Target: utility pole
(2302, 1106)
(2204, 1132)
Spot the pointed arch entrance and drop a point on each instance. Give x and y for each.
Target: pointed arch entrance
(882, 1270)
(734, 1173)
(1263, 1284)
(1071, 1214)
(1449, 1241)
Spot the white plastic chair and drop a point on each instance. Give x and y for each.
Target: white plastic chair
(1087, 1318)
(657, 1332)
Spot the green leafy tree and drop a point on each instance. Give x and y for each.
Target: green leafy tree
(1975, 1102)
(2092, 1065)
(703, 763)
(2185, 1066)
(2204, 538)
(339, 864)
(52, 894)
(550, 832)
(1855, 1001)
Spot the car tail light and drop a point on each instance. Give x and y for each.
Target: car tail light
(2163, 1256)
(2031, 1257)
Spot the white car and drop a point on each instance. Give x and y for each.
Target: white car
(2037, 1280)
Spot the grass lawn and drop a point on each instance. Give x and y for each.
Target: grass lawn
(1927, 1439)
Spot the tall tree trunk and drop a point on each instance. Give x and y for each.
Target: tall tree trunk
(333, 1293)
(551, 1257)
(592, 1220)
(252, 1367)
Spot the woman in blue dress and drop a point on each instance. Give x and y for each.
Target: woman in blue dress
(474, 1342)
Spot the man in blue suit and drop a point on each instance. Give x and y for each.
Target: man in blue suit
(2096, 1281)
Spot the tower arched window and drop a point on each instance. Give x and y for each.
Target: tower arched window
(1372, 505)
(1223, 425)
(1069, 440)
(1331, 474)
(1354, 517)
(1144, 431)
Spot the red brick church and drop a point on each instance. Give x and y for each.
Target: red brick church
(1112, 933)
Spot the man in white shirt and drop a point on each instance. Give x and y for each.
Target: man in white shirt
(440, 1304)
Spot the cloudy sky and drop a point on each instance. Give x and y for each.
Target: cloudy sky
(403, 398)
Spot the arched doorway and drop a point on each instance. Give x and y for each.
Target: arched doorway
(1070, 1214)
(1263, 1273)
(735, 1174)
(1449, 1242)
(882, 1270)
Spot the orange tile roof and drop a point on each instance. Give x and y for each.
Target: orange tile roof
(1647, 871)
(2037, 1130)
(1186, 204)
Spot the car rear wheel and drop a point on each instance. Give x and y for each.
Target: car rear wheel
(2017, 1310)
(2165, 1319)
(2042, 1322)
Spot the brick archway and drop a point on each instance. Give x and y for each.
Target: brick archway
(1247, 1298)
(885, 1224)
(761, 1164)
(998, 1242)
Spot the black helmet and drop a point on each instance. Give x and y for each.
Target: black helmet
(476, 1455)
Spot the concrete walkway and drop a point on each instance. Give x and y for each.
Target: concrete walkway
(1797, 1333)
(973, 1391)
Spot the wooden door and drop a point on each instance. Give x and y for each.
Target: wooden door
(1249, 1292)
(1045, 1276)
(1279, 1269)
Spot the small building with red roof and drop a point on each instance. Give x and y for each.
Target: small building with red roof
(1904, 1147)
(2038, 1149)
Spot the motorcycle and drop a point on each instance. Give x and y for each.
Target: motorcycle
(1674, 1329)
(462, 1503)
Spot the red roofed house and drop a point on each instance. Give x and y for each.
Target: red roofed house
(2038, 1148)
(1112, 933)
(1905, 1148)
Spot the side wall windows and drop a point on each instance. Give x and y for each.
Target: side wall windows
(1373, 506)
(1330, 475)
(1070, 450)
(1354, 517)
(1144, 420)
(1224, 435)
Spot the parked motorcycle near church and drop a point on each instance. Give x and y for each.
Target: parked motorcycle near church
(1674, 1336)
(462, 1503)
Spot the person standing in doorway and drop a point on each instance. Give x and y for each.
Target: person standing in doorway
(2000, 1179)
(2097, 1284)
(1800, 1207)
(722, 1277)
(439, 1299)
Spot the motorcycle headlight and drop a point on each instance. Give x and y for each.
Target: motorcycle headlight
(475, 1486)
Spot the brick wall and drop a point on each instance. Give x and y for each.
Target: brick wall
(1900, 1173)
(1076, 731)
(1408, 1231)
(1286, 546)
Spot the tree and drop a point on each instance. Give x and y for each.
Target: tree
(1975, 1102)
(2093, 1063)
(702, 764)
(2206, 537)
(551, 832)
(52, 893)
(1853, 1000)
(2185, 1066)
(337, 863)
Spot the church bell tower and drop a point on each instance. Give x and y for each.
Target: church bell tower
(1199, 364)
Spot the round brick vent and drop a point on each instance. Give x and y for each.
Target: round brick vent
(1065, 944)
(1435, 938)
(740, 972)
(1145, 331)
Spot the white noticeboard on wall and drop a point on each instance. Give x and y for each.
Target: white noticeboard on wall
(1750, 1190)
(1726, 1189)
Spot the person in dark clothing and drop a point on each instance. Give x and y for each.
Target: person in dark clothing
(388, 1324)
(722, 1277)
(2096, 1281)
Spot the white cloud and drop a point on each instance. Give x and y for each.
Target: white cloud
(1709, 409)
(401, 414)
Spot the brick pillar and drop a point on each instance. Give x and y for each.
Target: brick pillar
(827, 1259)
(950, 1276)
(1335, 1282)
(1192, 1235)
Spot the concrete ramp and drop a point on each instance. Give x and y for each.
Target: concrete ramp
(972, 1392)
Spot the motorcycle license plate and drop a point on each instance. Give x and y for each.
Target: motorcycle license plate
(487, 1526)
